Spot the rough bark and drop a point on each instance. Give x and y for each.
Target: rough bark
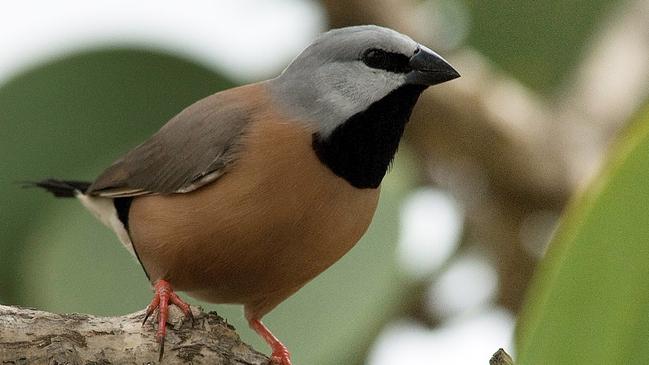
(35, 337)
(501, 358)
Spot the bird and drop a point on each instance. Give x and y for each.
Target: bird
(248, 194)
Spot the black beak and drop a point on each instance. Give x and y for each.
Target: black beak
(429, 68)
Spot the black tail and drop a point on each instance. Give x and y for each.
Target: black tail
(60, 188)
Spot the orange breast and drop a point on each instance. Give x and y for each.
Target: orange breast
(277, 219)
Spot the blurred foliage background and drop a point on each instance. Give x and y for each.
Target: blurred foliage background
(538, 43)
(487, 166)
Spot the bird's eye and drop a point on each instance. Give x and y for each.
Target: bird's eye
(389, 61)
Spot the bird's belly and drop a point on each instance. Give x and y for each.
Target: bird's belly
(270, 225)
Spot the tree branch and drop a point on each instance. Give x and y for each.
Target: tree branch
(29, 336)
(35, 337)
(501, 358)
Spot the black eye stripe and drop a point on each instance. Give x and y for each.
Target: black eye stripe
(389, 61)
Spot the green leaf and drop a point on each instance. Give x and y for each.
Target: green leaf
(589, 301)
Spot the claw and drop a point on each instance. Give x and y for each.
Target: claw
(155, 302)
(191, 318)
(161, 350)
(149, 311)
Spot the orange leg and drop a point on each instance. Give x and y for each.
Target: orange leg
(162, 297)
(280, 355)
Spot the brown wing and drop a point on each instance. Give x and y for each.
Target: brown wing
(192, 149)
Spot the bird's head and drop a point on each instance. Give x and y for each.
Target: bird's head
(344, 71)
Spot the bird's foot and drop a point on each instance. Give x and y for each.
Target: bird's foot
(162, 297)
(280, 355)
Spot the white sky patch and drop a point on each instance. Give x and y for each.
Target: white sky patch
(467, 285)
(431, 225)
(248, 39)
(471, 340)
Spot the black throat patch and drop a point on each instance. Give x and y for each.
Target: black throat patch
(360, 150)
